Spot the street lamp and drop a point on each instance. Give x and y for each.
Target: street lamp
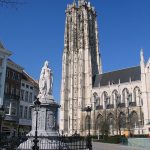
(88, 109)
(37, 104)
(2, 114)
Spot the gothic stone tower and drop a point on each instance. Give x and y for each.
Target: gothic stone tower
(80, 63)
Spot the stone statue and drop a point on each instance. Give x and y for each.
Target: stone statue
(46, 81)
(46, 120)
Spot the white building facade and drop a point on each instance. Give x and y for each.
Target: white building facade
(121, 98)
(4, 54)
(29, 90)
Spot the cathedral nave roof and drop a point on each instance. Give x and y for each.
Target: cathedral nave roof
(114, 77)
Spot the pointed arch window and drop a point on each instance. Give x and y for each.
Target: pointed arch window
(125, 94)
(111, 123)
(99, 122)
(96, 99)
(105, 99)
(114, 96)
(134, 120)
(122, 120)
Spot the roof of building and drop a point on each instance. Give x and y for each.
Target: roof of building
(114, 77)
(4, 50)
(11, 64)
(28, 78)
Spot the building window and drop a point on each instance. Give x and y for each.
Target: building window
(8, 74)
(14, 75)
(105, 99)
(21, 111)
(12, 91)
(96, 99)
(17, 77)
(13, 109)
(137, 94)
(134, 120)
(7, 108)
(27, 86)
(125, 94)
(111, 123)
(17, 92)
(122, 120)
(23, 84)
(30, 113)
(99, 122)
(115, 97)
(6, 88)
(31, 87)
(30, 98)
(22, 94)
(25, 112)
(26, 96)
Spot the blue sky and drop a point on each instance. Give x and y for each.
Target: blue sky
(35, 33)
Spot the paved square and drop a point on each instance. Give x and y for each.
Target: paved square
(105, 146)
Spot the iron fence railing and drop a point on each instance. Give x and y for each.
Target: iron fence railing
(48, 143)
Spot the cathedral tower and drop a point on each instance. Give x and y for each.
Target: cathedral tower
(80, 62)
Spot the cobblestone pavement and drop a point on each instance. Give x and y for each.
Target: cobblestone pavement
(104, 146)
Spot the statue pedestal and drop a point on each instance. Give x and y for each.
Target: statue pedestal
(46, 123)
(47, 119)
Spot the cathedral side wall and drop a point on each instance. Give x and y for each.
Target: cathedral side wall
(131, 104)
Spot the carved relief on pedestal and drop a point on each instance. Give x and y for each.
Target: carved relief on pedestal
(41, 120)
(33, 120)
(51, 122)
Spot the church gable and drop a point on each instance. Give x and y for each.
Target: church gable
(148, 64)
(122, 76)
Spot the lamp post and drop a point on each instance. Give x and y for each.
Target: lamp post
(2, 114)
(37, 104)
(88, 109)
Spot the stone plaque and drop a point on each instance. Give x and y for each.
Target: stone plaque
(50, 120)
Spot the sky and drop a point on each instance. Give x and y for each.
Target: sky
(35, 33)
